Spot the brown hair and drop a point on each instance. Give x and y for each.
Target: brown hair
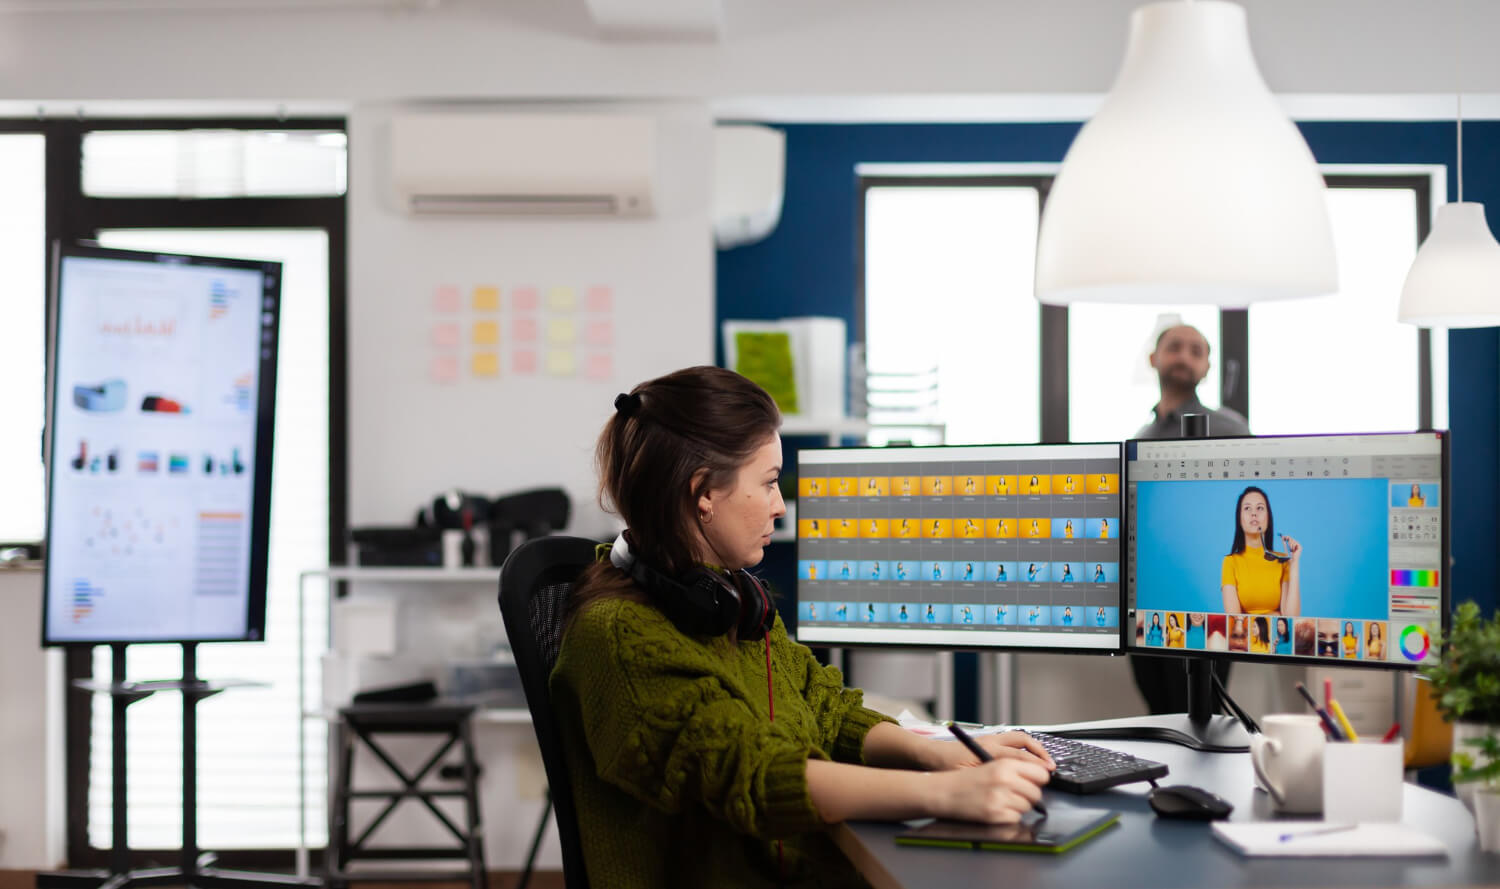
(670, 441)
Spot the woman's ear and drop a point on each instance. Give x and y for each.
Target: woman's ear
(705, 499)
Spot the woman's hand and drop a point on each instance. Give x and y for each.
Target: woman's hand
(942, 754)
(997, 792)
(1293, 547)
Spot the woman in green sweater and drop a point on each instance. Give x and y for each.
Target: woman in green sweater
(706, 748)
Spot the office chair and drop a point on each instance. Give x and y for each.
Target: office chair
(534, 587)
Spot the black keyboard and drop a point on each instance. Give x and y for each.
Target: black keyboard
(1089, 768)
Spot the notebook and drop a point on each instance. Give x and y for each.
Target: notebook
(1317, 839)
(1057, 833)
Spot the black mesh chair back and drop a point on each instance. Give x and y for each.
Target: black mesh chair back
(534, 588)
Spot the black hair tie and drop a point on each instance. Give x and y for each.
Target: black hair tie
(629, 405)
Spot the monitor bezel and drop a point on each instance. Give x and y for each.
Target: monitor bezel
(1127, 614)
(945, 645)
(260, 503)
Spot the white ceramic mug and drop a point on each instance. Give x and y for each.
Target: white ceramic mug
(1288, 760)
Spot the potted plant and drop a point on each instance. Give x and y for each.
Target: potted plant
(1466, 685)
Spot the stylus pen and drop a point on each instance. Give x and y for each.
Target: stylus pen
(974, 748)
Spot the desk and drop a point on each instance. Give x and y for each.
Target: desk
(1146, 852)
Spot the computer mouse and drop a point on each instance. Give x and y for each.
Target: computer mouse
(1185, 801)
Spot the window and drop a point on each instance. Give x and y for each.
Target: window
(948, 281)
(1108, 348)
(947, 291)
(23, 266)
(1343, 363)
(278, 193)
(214, 163)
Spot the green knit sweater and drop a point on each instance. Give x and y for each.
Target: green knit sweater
(680, 777)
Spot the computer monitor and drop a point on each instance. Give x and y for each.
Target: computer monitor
(1325, 549)
(160, 424)
(995, 546)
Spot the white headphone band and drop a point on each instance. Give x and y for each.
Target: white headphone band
(620, 555)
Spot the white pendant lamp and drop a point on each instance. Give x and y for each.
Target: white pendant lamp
(1455, 279)
(1190, 185)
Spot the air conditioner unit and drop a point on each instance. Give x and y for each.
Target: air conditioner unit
(524, 164)
(749, 177)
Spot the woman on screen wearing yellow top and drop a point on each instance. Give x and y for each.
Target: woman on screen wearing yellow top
(1176, 638)
(1416, 498)
(1260, 636)
(1068, 529)
(1104, 529)
(1374, 642)
(1350, 640)
(1256, 580)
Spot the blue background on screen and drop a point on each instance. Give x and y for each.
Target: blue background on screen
(1184, 529)
(1400, 494)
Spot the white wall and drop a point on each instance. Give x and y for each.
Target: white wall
(410, 439)
(487, 49)
(31, 731)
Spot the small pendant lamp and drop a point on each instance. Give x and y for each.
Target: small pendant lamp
(1190, 185)
(1455, 279)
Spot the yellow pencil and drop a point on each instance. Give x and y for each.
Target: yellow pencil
(1338, 713)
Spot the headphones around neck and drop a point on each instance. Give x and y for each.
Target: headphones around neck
(705, 602)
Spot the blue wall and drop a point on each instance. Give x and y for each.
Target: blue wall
(807, 267)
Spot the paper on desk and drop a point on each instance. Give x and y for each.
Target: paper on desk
(907, 720)
(1263, 839)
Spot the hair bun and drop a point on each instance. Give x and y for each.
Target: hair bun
(629, 404)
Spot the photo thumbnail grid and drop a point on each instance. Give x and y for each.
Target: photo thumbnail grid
(1013, 543)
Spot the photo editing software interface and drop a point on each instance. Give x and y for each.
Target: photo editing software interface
(971, 546)
(1288, 547)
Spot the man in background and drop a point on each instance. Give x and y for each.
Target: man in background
(1181, 362)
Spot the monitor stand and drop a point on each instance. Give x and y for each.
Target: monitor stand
(1199, 728)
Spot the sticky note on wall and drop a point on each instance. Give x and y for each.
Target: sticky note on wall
(599, 299)
(486, 333)
(485, 364)
(524, 299)
(561, 331)
(443, 369)
(445, 336)
(486, 299)
(562, 299)
(523, 362)
(524, 330)
(561, 363)
(446, 299)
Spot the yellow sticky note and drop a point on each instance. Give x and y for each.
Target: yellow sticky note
(486, 333)
(562, 331)
(562, 299)
(486, 299)
(486, 364)
(561, 363)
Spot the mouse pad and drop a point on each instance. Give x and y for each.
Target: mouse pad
(1058, 832)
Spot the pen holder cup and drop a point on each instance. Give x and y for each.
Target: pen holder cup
(1362, 782)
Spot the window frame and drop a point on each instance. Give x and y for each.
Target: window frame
(73, 215)
(1234, 324)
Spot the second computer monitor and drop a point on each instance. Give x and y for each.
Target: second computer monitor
(1012, 546)
(1324, 548)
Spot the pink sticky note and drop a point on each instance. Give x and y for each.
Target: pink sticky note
(599, 366)
(599, 333)
(525, 299)
(524, 330)
(446, 299)
(443, 369)
(523, 362)
(445, 336)
(599, 299)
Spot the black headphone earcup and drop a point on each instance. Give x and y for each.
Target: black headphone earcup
(757, 611)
